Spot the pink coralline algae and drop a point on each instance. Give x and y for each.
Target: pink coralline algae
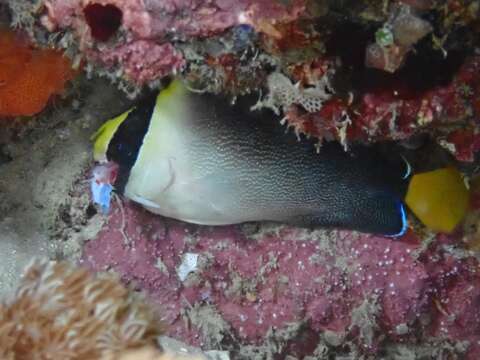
(145, 51)
(153, 19)
(161, 60)
(457, 296)
(365, 289)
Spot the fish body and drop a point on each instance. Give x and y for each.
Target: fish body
(197, 158)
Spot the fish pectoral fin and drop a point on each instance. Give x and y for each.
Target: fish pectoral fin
(152, 178)
(219, 183)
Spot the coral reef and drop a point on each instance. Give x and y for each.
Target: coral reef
(141, 37)
(363, 294)
(237, 46)
(28, 76)
(398, 111)
(353, 71)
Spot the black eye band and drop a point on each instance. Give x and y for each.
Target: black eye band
(128, 139)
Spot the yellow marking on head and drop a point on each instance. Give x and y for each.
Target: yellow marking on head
(169, 100)
(170, 109)
(171, 92)
(439, 198)
(104, 135)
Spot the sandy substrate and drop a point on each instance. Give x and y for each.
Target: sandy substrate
(41, 160)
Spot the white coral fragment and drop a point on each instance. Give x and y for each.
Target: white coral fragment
(188, 265)
(282, 93)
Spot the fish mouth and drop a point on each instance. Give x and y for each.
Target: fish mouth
(101, 184)
(105, 173)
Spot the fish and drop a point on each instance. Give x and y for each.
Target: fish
(198, 158)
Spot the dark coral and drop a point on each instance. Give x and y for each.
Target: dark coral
(103, 20)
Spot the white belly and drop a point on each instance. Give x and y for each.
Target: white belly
(164, 181)
(175, 192)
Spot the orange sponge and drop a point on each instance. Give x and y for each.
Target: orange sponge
(28, 76)
(439, 198)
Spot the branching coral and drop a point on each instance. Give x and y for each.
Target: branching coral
(63, 312)
(284, 94)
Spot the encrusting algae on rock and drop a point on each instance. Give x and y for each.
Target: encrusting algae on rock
(29, 76)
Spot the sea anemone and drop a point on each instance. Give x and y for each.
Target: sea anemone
(64, 312)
